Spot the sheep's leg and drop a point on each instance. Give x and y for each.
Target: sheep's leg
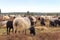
(25, 31)
(15, 31)
(18, 31)
(7, 30)
(12, 30)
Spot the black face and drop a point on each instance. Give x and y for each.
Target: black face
(58, 17)
(14, 17)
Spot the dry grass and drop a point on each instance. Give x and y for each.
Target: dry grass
(41, 34)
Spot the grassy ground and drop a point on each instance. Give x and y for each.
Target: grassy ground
(2, 31)
(52, 33)
(38, 30)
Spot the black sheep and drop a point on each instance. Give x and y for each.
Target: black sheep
(32, 29)
(42, 22)
(9, 26)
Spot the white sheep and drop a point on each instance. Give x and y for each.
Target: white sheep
(6, 17)
(23, 23)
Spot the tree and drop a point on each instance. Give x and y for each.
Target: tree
(28, 13)
(0, 11)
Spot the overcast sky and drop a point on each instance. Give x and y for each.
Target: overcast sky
(30, 5)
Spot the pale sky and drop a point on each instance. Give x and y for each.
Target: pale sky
(30, 5)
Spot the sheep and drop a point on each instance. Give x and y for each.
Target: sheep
(5, 17)
(58, 21)
(9, 26)
(42, 22)
(3, 23)
(32, 29)
(33, 20)
(20, 24)
(53, 21)
(1, 18)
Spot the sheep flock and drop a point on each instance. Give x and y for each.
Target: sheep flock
(21, 23)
